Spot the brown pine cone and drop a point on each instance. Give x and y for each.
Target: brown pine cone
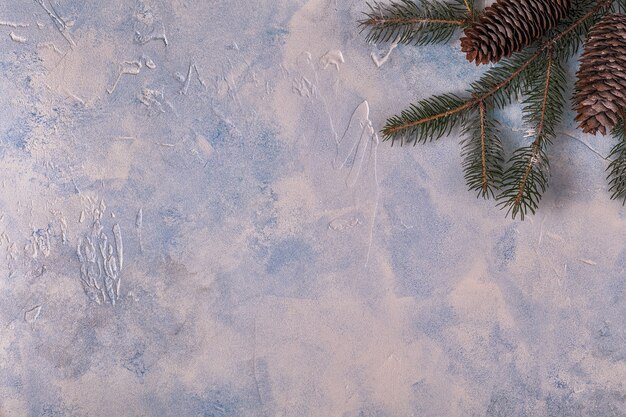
(600, 97)
(509, 26)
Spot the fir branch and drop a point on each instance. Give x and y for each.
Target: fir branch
(527, 176)
(440, 114)
(409, 22)
(569, 36)
(525, 181)
(617, 167)
(545, 96)
(498, 84)
(504, 82)
(429, 119)
(537, 73)
(482, 153)
(469, 6)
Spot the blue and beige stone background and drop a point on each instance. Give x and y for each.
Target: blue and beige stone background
(197, 219)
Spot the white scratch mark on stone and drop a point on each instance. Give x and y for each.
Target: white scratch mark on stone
(126, 68)
(60, 24)
(17, 38)
(149, 63)
(13, 24)
(144, 39)
(187, 80)
(119, 248)
(32, 315)
(354, 150)
(139, 226)
(573, 136)
(554, 236)
(202, 82)
(379, 61)
(204, 145)
(334, 57)
(341, 224)
(359, 140)
(303, 87)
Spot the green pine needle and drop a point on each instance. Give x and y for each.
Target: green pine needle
(482, 153)
(408, 22)
(428, 119)
(537, 75)
(572, 32)
(617, 167)
(503, 83)
(526, 179)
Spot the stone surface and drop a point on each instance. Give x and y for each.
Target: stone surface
(197, 219)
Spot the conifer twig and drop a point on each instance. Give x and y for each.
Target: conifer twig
(393, 129)
(390, 130)
(405, 21)
(470, 10)
(483, 156)
(482, 153)
(525, 190)
(536, 74)
(617, 167)
(527, 176)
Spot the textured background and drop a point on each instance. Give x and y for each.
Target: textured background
(212, 167)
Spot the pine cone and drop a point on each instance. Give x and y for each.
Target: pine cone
(600, 97)
(509, 26)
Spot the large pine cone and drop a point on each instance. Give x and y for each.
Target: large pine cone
(509, 26)
(600, 97)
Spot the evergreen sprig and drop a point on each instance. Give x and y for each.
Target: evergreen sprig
(503, 83)
(427, 120)
(482, 152)
(536, 75)
(426, 22)
(527, 176)
(572, 32)
(617, 167)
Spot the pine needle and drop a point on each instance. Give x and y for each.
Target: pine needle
(419, 23)
(536, 74)
(617, 167)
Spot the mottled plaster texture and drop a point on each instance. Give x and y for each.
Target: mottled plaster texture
(197, 219)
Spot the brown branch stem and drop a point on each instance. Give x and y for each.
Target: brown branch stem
(483, 156)
(469, 9)
(411, 21)
(475, 100)
(538, 142)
